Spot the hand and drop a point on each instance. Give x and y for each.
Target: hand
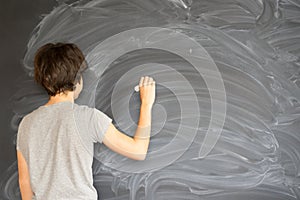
(147, 90)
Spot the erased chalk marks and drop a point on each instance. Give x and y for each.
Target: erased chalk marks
(254, 45)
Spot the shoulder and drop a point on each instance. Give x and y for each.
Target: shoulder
(84, 112)
(29, 119)
(90, 113)
(83, 109)
(86, 109)
(30, 116)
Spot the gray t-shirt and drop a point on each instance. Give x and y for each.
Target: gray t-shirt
(57, 144)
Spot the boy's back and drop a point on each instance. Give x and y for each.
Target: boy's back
(57, 140)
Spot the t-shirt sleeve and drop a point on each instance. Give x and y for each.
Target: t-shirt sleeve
(18, 141)
(21, 137)
(91, 123)
(98, 125)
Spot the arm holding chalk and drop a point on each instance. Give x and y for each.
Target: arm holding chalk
(135, 148)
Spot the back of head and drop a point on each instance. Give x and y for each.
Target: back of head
(58, 67)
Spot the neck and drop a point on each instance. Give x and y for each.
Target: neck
(61, 97)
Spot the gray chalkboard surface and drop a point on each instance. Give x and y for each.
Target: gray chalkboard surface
(226, 119)
(17, 19)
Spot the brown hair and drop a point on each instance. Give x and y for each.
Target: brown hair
(58, 67)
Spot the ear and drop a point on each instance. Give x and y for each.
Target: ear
(78, 88)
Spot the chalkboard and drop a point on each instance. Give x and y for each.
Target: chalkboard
(226, 119)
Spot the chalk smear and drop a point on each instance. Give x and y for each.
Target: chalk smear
(255, 47)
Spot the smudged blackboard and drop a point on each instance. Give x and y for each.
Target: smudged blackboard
(226, 118)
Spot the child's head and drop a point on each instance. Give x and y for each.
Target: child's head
(58, 67)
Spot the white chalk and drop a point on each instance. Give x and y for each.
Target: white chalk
(137, 88)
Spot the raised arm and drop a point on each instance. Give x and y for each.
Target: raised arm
(135, 148)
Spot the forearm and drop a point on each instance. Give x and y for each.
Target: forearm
(135, 148)
(142, 134)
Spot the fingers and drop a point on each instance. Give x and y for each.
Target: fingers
(146, 80)
(147, 90)
(150, 80)
(141, 81)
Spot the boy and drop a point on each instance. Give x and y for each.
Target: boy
(55, 141)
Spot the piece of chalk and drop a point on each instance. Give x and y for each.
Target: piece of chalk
(137, 88)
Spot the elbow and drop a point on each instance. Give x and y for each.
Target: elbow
(141, 151)
(139, 157)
